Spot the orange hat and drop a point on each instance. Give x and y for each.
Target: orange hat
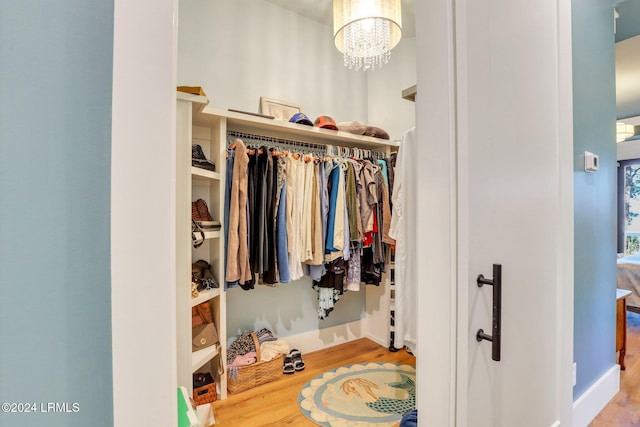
(326, 122)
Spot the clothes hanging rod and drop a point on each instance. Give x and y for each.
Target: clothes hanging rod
(265, 138)
(326, 149)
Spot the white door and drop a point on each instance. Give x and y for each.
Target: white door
(508, 134)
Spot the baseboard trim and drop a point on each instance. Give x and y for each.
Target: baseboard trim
(592, 401)
(319, 339)
(378, 340)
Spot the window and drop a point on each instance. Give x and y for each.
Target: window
(629, 207)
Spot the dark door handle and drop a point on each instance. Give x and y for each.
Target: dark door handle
(496, 282)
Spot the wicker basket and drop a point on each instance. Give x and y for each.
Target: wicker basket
(243, 378)
(205, 394)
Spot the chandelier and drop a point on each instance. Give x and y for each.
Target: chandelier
(365, 31)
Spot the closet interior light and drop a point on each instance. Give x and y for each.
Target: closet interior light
(623, 131)
(365, 31)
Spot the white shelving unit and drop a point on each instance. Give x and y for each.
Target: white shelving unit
(208, 127)
(194, 183)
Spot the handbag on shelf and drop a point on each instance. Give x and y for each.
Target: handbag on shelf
(203, 332)
(201, 314)
(204, 336)
(202, 216)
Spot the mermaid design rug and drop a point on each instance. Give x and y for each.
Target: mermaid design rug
(366, 394)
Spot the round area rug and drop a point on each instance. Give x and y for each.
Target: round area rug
(365, 394)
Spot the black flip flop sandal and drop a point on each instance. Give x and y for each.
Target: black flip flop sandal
(288, 366)
(296, 356)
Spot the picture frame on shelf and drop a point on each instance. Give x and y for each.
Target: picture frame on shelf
(280, 110)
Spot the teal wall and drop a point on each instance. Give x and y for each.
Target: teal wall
(55, 143)
(594, 109)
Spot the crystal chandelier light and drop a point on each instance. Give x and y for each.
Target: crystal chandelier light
(365, 31)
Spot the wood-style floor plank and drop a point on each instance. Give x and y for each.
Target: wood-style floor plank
(624, 409)
(276, 403)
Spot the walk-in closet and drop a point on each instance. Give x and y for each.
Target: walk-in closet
(253, 60)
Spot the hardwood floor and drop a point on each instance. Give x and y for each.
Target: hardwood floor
(276, 403)
(624, 408)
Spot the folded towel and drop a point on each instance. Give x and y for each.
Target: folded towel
(244, 359)
(272, 349)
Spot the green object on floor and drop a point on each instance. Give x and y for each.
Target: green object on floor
(187, 417)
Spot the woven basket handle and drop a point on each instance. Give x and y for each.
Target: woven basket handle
(257, 345)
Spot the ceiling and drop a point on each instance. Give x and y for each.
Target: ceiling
(627, 38)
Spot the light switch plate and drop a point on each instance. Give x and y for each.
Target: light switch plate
(591, 162)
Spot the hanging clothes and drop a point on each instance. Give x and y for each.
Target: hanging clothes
(259, 215)
(270, 274)
(317, 248)
(238, 268)
(334, 183)
(306, 248)
(329, 287)
(282, 255)
(403, 218)
(281, 231)
(291, 214)
(294, 204)
(227, 207)
(353, 279)
(324, 168)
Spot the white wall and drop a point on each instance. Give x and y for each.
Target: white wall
(240, 50)
(387, 108)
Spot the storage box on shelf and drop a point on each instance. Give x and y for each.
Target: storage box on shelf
(205, 394)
